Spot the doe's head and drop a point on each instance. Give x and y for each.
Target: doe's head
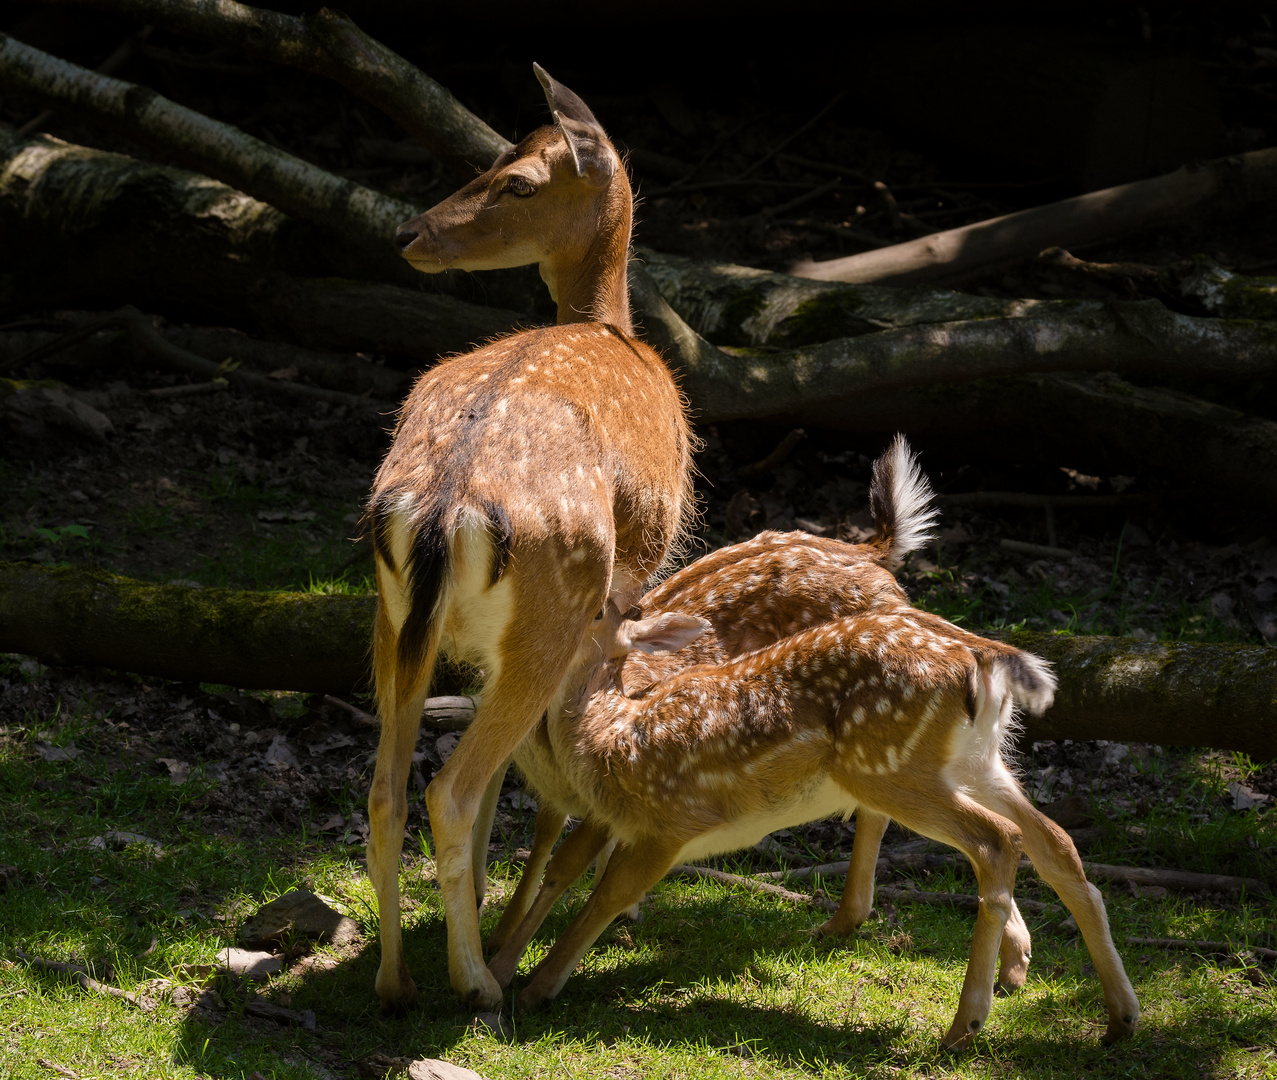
(540, 202)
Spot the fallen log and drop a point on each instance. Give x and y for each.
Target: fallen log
(330, 44)
(1107, 426)
(288, 641)
(367, 218)
(84, 228)
(1218, 189)
(740, 305)
(1173, 693)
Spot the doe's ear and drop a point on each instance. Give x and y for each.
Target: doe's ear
(596, 162)
(664, 633)
(562, 101)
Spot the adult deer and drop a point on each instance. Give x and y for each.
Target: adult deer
(528, 482)
(889, 710)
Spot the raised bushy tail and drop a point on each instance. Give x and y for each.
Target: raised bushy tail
(902, 504)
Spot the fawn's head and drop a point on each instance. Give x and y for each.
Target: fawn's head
(559, 199)
(612, 636)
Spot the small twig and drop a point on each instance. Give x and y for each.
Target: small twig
(354, 710)
(1059, 258)
(810, 196)
(190, 389)
(793, 135)
(80, 974)
(845, 232)
(155, 941)
(783, 449)
(1042, 551)
(893, 209)
(1219, 947)
(751, 884)
(1174, 879)
(61, 1070)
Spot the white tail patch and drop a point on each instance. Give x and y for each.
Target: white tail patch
(902, 500)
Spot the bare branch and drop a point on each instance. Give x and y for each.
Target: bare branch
(1220, 187)
(216, 149)
(330, 44)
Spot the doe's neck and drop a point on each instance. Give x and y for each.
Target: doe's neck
(594, 287)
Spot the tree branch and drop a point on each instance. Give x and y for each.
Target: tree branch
(329, 44)
(1223, 186)
(216, 149)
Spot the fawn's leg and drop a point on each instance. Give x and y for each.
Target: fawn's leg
(1053, 853)
(549, 825)
(482, 835)
(568, 864)
(858, 893)
(631, 872)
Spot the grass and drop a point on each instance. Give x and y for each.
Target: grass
(712, 983)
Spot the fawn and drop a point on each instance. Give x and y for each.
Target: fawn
(888, 709)
(753, 594)
(528, 482)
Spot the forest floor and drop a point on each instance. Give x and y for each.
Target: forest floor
(246, 795)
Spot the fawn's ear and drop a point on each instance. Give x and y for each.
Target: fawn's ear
(596, 162)
(663, 633)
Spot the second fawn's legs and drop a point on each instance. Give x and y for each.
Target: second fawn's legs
(482, 835)
(569, 863)
(992, 843)
(858, 893)
(549, 825)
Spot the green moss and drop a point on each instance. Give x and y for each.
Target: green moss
(823, 318)
(1248, 297)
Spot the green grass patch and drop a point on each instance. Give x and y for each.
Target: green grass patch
(712, 982)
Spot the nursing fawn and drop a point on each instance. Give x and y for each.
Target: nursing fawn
(892, 711)
(528, 482)
(752, 594)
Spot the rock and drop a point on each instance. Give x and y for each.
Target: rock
(57, 753)
(1071, 812)
(303, 913)
(491, 1023)
(121, 840)
(434, 1069)
(249, 964)
(9, 877)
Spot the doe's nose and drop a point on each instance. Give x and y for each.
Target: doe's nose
(404, 237)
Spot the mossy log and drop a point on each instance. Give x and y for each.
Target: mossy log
(84, 228)
(1222, 696)
(1170, 693)
(744, 306)
(278, 641)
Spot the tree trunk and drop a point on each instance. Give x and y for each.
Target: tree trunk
(1222, 696)
(328, 43)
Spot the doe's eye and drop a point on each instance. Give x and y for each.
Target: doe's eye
(517, 185)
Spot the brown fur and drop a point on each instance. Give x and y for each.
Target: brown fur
(528, 481)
